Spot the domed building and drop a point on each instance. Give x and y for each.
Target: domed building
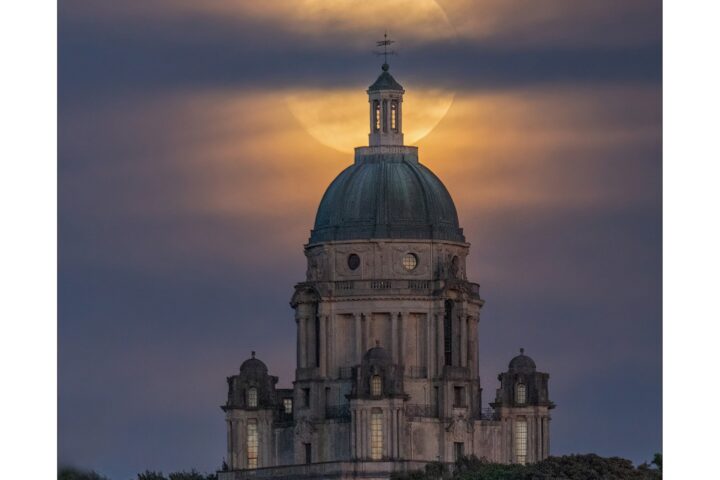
(387, 337)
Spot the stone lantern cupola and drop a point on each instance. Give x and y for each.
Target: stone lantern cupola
(385, 97)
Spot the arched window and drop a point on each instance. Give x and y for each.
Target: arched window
(394, 116)
(376, 385)
(520, 435)
(252, 444)
(377, 116)
(252, 399)
(520, 393)
(376, 434)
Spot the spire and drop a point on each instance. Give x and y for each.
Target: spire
(384, 43)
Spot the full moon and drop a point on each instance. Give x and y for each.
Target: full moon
(340, 118)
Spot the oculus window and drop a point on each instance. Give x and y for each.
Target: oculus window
(410, 261)
(353, 261)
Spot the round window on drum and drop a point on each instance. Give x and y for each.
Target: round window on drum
(353, 261)
(410, 261)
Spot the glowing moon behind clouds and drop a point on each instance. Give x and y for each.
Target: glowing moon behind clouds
(340, 118)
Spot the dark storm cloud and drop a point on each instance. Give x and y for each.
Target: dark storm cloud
(123, 54)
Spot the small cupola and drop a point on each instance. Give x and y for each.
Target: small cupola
(385, 97)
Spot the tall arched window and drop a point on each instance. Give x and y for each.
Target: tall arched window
(376, 434)
(376, 385)
(377, 115)
(521, 440)
(520, 394)
(252, 399)
(252, 443)
(394, 116)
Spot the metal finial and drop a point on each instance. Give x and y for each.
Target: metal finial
(384, 43)
(377, 342)
(253, 353)
(522, 351)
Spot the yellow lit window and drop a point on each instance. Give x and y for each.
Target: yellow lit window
(521, 441)
(252, 444)
(376, 435)
(252, 399)
(378, 116)
(520, 394)
(393, 115)
(376, 386)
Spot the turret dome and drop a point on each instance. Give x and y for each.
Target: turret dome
(253, 366)
(522, 363)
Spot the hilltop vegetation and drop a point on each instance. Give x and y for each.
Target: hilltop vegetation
(569, 467)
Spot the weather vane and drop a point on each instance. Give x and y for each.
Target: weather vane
(384, 43)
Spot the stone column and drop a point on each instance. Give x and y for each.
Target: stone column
(353, 432)
(230, 446)
(402, 325)
(387, 437)
(358, 339)
(322, 345)
(439, 320)
(546, 436)
(474, 346)
(302, 342)
(364, 431)
(394, 348)
(428, 363)
(463, 338)
(366, 333)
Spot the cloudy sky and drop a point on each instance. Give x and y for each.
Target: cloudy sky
(197, 138)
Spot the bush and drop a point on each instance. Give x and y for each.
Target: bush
(569, 467)
(70, 473)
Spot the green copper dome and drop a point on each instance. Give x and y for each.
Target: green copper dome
(386, 195)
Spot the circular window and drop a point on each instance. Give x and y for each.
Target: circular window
(353, 261)
(410, 261)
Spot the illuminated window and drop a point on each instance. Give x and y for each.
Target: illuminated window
(378, 116)
(376, 435)
(252, 400)
(252, 443)
(520, 394)
(287, 404)
(410, 261)
(376, 386)
(393, 116)
(520, 441)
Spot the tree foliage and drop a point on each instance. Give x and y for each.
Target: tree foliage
(71, 473)
(569, 467)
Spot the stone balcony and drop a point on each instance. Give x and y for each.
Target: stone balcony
(393, 287)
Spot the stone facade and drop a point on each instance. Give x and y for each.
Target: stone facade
(387, 337)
